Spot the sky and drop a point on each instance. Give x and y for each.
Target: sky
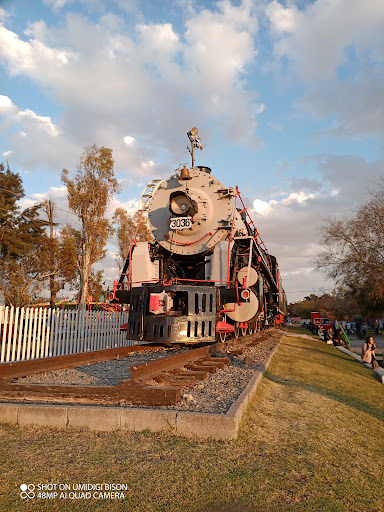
(288, 97)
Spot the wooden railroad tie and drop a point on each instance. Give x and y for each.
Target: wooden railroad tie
(202, 367)
(184, 381)
(171, 374)
(199, 375)
(136, 394)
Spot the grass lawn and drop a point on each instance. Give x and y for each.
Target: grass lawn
(311, 440)
(295, 329)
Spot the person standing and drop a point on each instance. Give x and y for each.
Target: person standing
(358, 329)
(348, 327)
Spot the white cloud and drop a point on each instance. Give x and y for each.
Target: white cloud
(335, 47)
(128, 140)
(3, 14)
(316, 37)
(264, 207)
(54, 193)
(58, 4)
(261, 207)
(28, 117)
(34, 141)
(130, 206)
(109, 80)
(160, 39)
(31, 58)
(299, 197)
(289, 226)
(283, 20)
(5, 103)
(353, 110)
(219, 48)
(156, 80)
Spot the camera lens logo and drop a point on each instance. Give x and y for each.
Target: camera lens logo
(27, 491)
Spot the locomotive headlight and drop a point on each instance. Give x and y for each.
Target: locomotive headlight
(181, 204)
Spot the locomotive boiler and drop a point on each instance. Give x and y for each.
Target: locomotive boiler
(207, 275)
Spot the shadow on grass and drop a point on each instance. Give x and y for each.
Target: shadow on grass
(360, 405)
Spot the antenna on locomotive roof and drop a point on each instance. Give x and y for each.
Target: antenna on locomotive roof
(195, 143)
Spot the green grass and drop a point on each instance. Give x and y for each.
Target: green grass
(311, 440)
(295, 329)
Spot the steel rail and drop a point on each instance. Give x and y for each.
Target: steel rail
(176, 371)
(148, 370)
(34, 366)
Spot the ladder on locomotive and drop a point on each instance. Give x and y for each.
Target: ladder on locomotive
(147, 194)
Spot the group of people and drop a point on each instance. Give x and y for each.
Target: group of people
(368, 349)
(331, 337)
(360, 328)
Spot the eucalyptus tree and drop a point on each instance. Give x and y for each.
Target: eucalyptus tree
(89, 193)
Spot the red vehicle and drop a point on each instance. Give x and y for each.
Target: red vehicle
(317, 319)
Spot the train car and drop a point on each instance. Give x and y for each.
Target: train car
(208, 274)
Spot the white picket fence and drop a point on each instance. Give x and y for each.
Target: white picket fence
(32, 333)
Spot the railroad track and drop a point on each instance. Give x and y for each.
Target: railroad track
(154, 383)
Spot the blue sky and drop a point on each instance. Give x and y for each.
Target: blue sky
(287, 96)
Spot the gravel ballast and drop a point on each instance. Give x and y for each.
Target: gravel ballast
(215, 394)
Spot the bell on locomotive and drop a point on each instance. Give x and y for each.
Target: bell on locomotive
(207, 276)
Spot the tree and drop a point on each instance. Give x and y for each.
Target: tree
(58, 254)
(339, 305)
(71, 243)
(354, 251)
(89, 193)
(11, 190)
(22, 234)
(95, 284)
(125, 227)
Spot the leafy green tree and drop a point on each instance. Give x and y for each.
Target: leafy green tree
(22, 232)
(11, 191)
(89, 194)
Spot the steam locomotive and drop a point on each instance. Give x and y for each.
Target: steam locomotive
(208, 275)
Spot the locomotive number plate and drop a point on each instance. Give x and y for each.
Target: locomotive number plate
(180, 222)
